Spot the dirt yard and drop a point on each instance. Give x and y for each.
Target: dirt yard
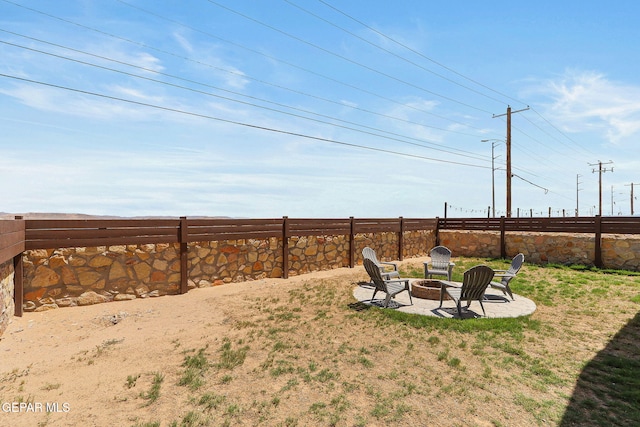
(296, 352)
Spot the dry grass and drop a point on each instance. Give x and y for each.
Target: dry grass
(306, 354)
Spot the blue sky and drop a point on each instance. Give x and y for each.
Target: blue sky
(317, 108)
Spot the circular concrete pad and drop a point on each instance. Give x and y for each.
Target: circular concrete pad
(496, 304)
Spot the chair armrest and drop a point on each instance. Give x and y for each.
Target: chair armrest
(449, 284)
(395, 265)
(503, 274)
(398, 281)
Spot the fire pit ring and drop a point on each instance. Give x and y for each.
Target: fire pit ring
(427, 289)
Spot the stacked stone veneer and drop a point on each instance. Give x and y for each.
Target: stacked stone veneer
(81, 276)
(618, 251)
(6, 294)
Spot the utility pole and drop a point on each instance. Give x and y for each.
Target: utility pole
(600, 172)
(612, 202)
(632, 184)
(508, 114)
(577, 191)
(493, 172)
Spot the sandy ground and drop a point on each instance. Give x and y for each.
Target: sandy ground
(74, 362)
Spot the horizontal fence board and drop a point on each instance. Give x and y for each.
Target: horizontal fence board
(45, 234)
(9, 252)
(49, 234)
(9, 226)
(238, 235)
(621, 225)
(319, 232)
(215, 222)
(87, 243)
(12, 240)
(233, 229)
(49, 224)
(559, 225)
(469, 224)
(409, 224)
(373, 225)
(546, 225)
(72, 234)
(318, 227)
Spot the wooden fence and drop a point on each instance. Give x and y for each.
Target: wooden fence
(597, 225)
(50, 234)
(19, 235)
(12, 244)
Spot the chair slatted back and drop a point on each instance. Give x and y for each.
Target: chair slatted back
(368, 253)
(475, 282)
(440, 257)
(374, 273)
(516, 264)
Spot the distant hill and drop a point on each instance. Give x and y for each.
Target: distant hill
(54, 215)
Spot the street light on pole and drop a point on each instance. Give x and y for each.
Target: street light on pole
(493, 173)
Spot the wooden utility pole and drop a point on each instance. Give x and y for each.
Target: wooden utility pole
(508, 114)
(577, 192)
(632, 184)
(600, 172)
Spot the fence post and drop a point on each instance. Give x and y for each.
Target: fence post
(437, 233)
(598, 243)
(401, 240)
(183, 238)
(352, 243)
(285, 247)
(18, 282)
(503, 243)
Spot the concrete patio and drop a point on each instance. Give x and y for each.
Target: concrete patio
(496, 304)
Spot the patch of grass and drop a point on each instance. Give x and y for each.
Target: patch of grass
(281, 367)
(211, 401)
(365, 362)
(131, 380)
(230, 357)
(541, 410)
(49, 386)
(195, 368)
(106, 344)
(154, 392)
(148, 424)
(194, 419)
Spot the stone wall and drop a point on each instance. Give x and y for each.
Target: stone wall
(621, 251)
(618, 251)
(315, 253)
(80, 276)
(217, 262)
(6, 294)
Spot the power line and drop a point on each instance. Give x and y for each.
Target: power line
(391, 52)
(561, 132)
(418, 52)
(235, 122)
(344, 58)
(447, 150)
(146, 46)
(293, 65)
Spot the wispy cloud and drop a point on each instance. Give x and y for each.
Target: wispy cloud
(589, 100)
